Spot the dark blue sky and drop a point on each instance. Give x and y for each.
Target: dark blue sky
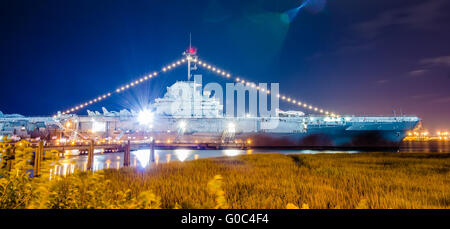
(350, 56)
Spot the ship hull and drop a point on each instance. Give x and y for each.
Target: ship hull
(348, 135)
(325, 139)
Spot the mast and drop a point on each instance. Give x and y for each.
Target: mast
(191, 56)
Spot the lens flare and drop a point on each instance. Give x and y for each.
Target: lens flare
(291, 14)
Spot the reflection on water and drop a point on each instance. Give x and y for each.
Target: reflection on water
(142, 158)
(425, 147)
(182, 154)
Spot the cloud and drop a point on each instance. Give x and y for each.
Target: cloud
(347, 49)
(421, 16)
(423, 96)
(418, 72)
(437, 61)
(383, 81)
(442, 100)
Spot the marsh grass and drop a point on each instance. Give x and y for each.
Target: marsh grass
(258, 181)
(364, 180)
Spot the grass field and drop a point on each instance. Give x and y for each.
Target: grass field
(258, 181)
(363, 180)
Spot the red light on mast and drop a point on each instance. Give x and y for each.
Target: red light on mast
(192, 50)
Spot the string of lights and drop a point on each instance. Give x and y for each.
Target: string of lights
(205, 65)
(288, 99)
(122, 88)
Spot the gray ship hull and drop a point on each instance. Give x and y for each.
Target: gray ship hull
(292, 134)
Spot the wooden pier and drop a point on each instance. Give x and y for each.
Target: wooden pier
(88, 148)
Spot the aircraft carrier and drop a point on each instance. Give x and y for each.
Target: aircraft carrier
(172, 121)
(195, 116)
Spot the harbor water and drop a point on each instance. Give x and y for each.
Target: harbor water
(141, 158)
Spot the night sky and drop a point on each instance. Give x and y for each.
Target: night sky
(350, 56)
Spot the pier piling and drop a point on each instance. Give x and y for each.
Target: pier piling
(90, 155)
(152, 151)
(126, 155)
(38, 158)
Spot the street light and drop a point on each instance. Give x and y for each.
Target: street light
(145, 117)
(182, 125)
(231, 127)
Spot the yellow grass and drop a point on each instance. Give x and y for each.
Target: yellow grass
(365, 180)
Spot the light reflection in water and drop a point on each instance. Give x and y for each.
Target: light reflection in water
(232, 152)
(142, 157)
(182, 154)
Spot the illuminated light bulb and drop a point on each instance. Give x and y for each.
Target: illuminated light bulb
(310, 107)
(231, 127)
(168, 67)
(178, 62)
(294, 101)
(72, 109)
(278, 95)
(253, 86)
(315, 108)
(142, 79)
(289, 99)
(213, 68)
(136, 82)
(299, 103)
(117, 90)
(228, 75)
(326, 112)
(262, 89)
(283, 97)
(81, 106)
(209, 66)
(268, 92)
(155, 73)
(204, 65)
(321, 111)
(76, 108)
(223, 73)
(257, 88)
(164, 69)
(173, 65)
(243, 81)
(237, 79)
(218, 71)
(85, 104)
(132, 84)
(122, 88)
(104, 96)
(304, 105)
(90, 102)
(145, 78)
(127, 86)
